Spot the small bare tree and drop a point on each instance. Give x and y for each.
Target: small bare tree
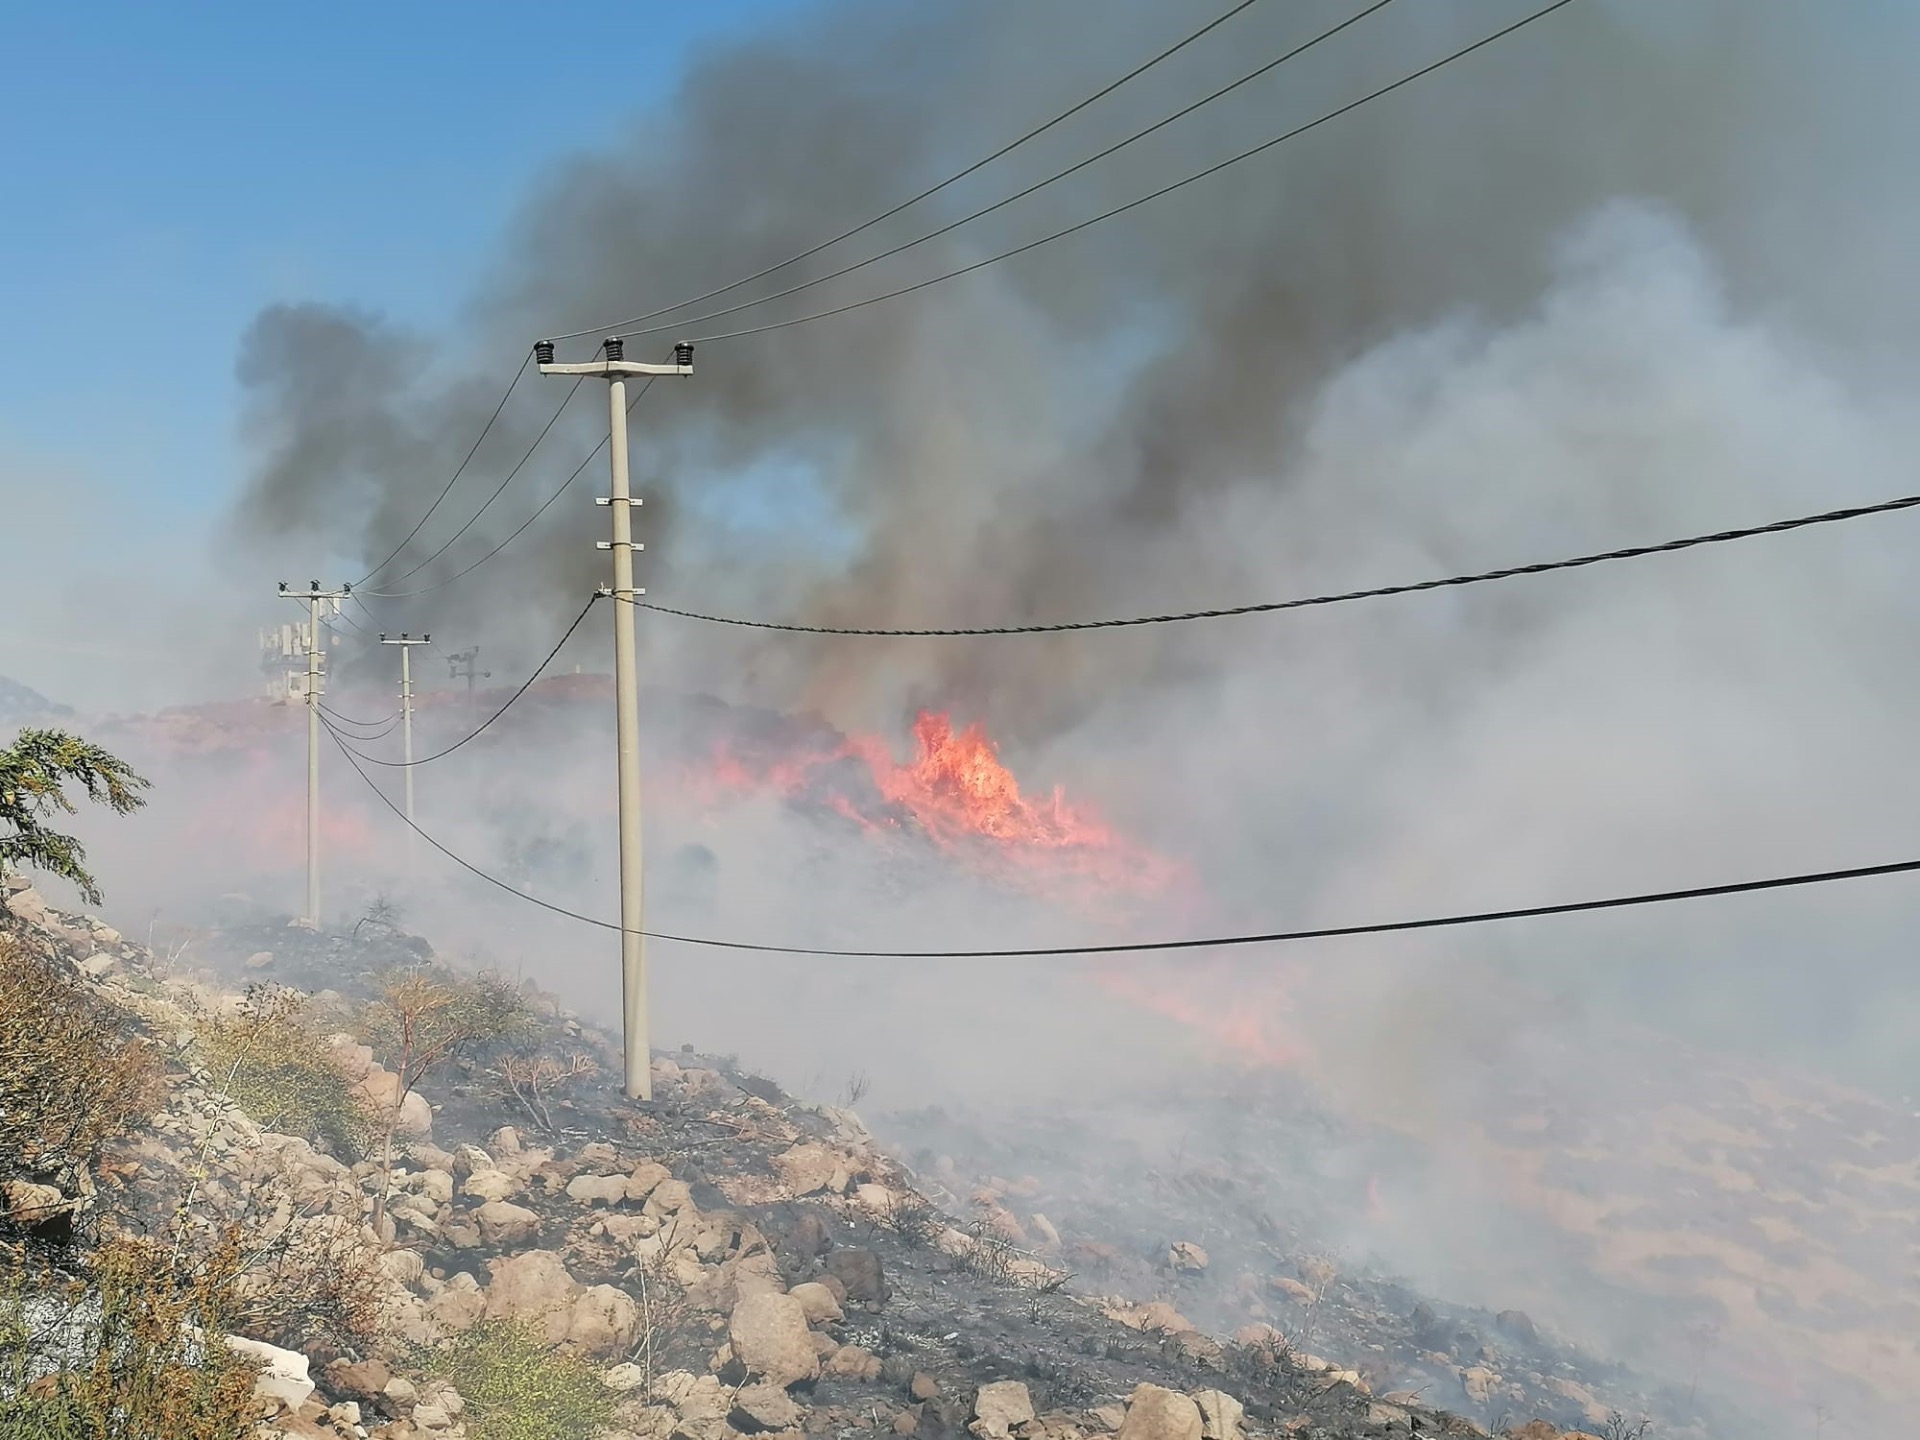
(534, 1080)
(418, 1022)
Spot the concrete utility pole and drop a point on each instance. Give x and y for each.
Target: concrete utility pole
(406, 644)
(317, 602)
(462, 664)
(614, 368)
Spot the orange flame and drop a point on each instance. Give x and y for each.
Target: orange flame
(956, 792)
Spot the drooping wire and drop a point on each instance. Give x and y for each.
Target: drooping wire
(1631, 552)
(1073, 169)
(476, 563)
(453, 479)
(1209, 942)
(930, 191)
(360, 724)
(1164, 190)
(385, 727)
(524, 687)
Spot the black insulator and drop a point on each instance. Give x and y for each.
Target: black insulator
(683, 354)
(543, 352)
(616, 348)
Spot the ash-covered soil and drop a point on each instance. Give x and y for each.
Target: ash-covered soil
(1260, 1180)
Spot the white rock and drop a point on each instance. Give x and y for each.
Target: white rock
(283, 1373)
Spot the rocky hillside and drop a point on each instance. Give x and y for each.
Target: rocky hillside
(727, 1260)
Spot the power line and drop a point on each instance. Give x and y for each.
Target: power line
(499, 489)
(452, 479)
(1632, 552)
(1144, 199)
(1211, 942)
(524, 687)
(1038, 130)
(1095, 158)
(524, 524)
(363, 724)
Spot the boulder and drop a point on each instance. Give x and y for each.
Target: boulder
(469, 1158)
(1478, 1382)
(29, 1204)
(669, 1197)
(860, 1271)
(1187, 1258)
(364, 1378)
(818, 1301)
(96, 965)
(431, 1417)
(644, 1177)
(624, 1377)
(504, 1223)
(807, 1238)
(809, 1168)
(763, 1407)
(1000, 1406)
(354, 1060)
(259, 960)
(769, 1334)
(1518, 1324)
(404, 1266)
(597, 1152)
(533, 1285)
(1221, 1416)
(851, 1362)
(604, 1321)
(1154, 1413)
(597, 1189)
(490, 1184)
(460, 1305)
(380, 1089)
(282, 1375)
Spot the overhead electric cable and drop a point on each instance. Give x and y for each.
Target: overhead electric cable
(932, 190)
(362, 724)
(498, 490)
(1144, 199)
(452, 479)
(968, 219)
(1210, 942)
(528, 522)
(524, 687)
(1825, 517)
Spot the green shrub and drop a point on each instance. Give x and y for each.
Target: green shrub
(269, 1058)
(515, 1388)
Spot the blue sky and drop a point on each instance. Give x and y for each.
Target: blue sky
(170, 169)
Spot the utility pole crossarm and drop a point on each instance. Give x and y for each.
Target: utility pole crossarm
(615, 369)
(613, 364)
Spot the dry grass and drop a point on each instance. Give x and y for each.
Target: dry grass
(73, 1075)
(122, 1355)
